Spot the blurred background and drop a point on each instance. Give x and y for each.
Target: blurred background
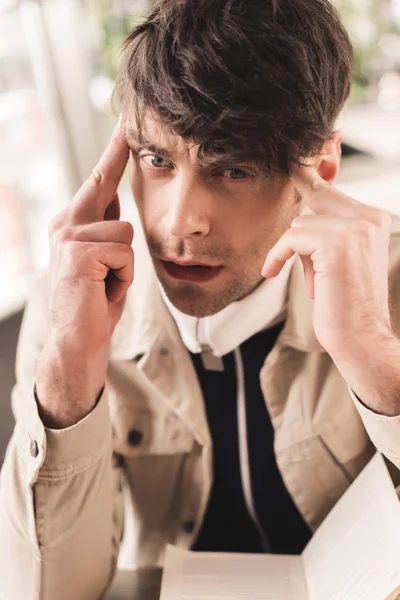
(58, 62)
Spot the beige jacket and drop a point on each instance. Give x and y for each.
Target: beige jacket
(143, 457)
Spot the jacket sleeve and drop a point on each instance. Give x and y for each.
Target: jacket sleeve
(61, 504)
(383, 431)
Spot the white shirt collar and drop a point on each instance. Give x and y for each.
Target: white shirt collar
(228, 329)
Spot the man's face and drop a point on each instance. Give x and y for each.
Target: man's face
(215, 215)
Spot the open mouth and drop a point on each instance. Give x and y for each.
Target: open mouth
(194, 273)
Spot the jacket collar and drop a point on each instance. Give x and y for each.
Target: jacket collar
(146, 318)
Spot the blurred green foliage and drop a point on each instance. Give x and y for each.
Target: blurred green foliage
(113, 23)
(367, 21)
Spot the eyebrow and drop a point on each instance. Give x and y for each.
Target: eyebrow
(133, 137)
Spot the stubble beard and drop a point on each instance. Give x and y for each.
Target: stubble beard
(195, 301)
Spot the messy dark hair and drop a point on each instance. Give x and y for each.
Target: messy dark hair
(259, 81)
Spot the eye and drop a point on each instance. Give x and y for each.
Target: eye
(235, 174)
(153, 160)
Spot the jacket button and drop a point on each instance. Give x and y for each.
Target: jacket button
(34, 449)
(188, 526)
(135, 437)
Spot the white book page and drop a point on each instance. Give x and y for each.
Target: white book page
(219, 576)
(355, 553)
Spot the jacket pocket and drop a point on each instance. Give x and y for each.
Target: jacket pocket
(346, 440)
(314, 477)
(139, 431)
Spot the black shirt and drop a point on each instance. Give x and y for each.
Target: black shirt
(227, 526)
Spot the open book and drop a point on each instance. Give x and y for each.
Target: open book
(354, 555)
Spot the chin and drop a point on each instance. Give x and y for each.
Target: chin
(197, 311)
(197, 301)
(191, 301)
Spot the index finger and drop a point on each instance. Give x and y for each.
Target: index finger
(96, 194)
(321, 197)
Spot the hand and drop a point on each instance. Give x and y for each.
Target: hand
(91, 269)
(344, 250)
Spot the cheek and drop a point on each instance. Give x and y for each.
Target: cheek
(249, 240)
(147, 198)
(259, 230)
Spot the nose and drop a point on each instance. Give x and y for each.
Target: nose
(188, 212)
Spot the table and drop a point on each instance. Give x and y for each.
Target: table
(144, 584)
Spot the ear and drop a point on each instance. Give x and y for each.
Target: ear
(328, 162)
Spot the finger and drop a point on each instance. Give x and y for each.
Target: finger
(119, 279)
(301, 241)
(98, 192)
(276, 260)
(117, 232)
(91, 260)
(115, 287)
(339, 224)
(322, 198)
(115, 266)
(329, 223)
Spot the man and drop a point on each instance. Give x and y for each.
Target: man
(220, 389)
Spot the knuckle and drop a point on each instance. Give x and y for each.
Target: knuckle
(61, 236)
(101, 174)
(97, 176)
(289, 233)
(66, 234)
(127, 229)
(57, 222)
(378, 217)
(369, 229)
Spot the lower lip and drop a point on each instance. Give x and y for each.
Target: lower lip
(196, 274)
